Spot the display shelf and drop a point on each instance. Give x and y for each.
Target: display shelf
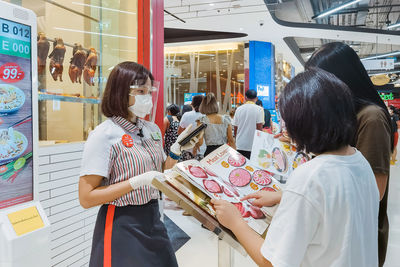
(74, 99)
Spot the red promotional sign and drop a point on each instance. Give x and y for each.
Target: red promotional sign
(11, 73)
(395, 102)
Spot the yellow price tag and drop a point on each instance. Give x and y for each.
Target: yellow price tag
(26, 220)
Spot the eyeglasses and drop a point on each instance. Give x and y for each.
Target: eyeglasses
(142, 90)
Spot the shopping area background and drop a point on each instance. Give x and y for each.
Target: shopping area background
(212, 51)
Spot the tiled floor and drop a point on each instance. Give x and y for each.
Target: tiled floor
(202, 249)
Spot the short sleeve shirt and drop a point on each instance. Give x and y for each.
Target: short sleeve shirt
(246, 118)
(107, 154)
(373, 138)
(216, 134)
(328, 216)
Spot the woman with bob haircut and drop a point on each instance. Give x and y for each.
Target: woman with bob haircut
(328, 212)
(373, 138)
(219, 128)
(121, 157)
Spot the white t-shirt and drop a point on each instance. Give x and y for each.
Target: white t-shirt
(328, 216)
(246, 118)
(191, 117)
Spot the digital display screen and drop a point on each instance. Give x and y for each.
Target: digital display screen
(16, 166)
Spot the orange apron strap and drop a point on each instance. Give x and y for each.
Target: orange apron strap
(108, 235)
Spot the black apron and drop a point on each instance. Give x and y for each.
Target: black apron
(131, 236)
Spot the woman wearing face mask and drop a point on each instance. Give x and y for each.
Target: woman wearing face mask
(120, 159)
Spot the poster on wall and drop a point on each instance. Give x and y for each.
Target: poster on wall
(16, 166)
(188, 97)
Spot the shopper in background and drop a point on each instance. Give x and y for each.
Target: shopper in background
(219, 128)
(231, 116)
(248, 118)
(395, 121)
(121, 157)
(373, 135)
(328, 211)
(267, 115)
(186, 108)
(171, 125)
(190, 118)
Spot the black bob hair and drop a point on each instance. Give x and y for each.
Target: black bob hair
(174, 109)
(341, 60)
(251, 94)
(318, 111)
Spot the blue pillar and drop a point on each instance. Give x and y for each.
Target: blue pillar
(262, 72)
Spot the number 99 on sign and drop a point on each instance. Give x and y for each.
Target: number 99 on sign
(11, 72)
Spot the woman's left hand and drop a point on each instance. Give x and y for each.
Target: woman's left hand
(227, 214)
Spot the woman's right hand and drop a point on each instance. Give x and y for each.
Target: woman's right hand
(264, 198)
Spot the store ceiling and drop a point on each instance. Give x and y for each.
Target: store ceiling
(363, 25)
(189, 9)
(371, 14)
(366, 14)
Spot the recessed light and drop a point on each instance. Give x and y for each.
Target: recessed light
(240, 29)
(211, 4)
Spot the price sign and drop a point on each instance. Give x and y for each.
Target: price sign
(11, 73)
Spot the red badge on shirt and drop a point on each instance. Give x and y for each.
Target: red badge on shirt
(127, 140)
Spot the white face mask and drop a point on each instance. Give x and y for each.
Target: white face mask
(143, 105)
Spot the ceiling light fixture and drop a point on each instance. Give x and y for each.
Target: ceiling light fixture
(394, 25)
(382, 55)
(335, 9)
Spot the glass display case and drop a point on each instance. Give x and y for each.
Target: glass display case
(79, 42)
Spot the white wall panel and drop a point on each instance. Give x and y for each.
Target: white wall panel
(66, 173)
(71, 225)
(59, 166)
(68, 221)
(65, 157)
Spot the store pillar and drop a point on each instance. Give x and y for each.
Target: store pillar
(151, 45)
(260, 71)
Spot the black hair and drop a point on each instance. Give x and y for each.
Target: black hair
(186, 108)
(259, 103)
(174, 109)
(318, 111)
(251, 94)
(341, 60)
(196, 101)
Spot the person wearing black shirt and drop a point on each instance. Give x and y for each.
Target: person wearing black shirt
(267, 115)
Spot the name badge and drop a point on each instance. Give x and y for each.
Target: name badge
(156, 136)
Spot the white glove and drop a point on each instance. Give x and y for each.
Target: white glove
(144, 179)
(177, 149)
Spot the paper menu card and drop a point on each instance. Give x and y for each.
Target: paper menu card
(225, 174)
(275, 156)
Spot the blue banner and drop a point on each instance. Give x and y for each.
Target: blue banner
(262, 72)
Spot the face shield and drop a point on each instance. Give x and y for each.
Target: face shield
(146, 97)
